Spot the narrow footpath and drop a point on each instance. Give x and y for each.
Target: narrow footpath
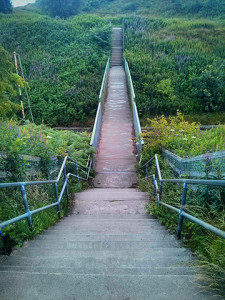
(108, 248)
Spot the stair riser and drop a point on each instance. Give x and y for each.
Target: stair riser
(73, 238)
(102, 271)
(109, 245)
(157, 253)
(91, 262)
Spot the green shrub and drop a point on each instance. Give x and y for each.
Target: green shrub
(63, 61)
(176, 64)
(181, 137)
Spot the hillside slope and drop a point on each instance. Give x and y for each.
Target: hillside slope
(63, 62)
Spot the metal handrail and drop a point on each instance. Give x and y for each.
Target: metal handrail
(158, 189)
(104, 81)
(98, 118)
(28, 212)
(137, 126)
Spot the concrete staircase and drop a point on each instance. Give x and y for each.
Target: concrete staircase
(101, 257)
(107, 248)
(117, 47)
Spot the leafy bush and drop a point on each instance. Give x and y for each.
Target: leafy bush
(63, 62)
(39, 141)
(8, 82)
(181, 137)
(176, 64)
(192, 8)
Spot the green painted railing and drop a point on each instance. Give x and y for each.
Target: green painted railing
(98, 118)
(158, 189)
(22, 185)
(136, 121)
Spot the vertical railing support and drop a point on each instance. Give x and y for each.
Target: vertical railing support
(160, 193)
(57, 200)
(183, 202)
(156, 175)
(146, 174)
(65, 180)
(77, 173)
(25, 203)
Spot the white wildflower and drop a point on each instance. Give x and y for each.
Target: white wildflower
(185, 139)
(49, 137)
(193, 137)
(172, 130)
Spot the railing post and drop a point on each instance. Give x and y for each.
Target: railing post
(146, 174)
(183, 202)
(77, 173)
(25, 203)
(160, 193)
(156, 175)
(65, 180)
(57, 200)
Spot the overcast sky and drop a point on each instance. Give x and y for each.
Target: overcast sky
(21, 2)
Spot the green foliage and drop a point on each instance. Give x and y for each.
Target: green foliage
(176, 64)
(5, 6)
(43, 142)
(59, 8)
(39, 141)
(63, 62)
(37, 196)
(168, 8)
(181, 137)
(215, 118)
(8, 81)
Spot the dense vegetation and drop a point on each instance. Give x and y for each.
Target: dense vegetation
(45, 143)
(5, 6)
(183, 138)
(176, 64)
(63, 63)
(200, 8)
(59, 8)
(206, 203)
(8, 82)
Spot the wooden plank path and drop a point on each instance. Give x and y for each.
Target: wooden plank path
(108, 248)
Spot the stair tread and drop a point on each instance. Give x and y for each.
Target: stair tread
(65, 286)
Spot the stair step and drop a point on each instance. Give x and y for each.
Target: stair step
(96, 262)
(109, 194)
(103, 245)
(81, 287)
(122, 226)
(96, 231)
(54, 236)
(135, 271)
(111, 218)
(118, 253)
